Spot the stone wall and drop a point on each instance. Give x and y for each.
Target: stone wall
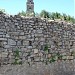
(38, 41)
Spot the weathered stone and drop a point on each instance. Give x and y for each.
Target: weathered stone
(49, 55)
(39, 31)
(37, 59)
(36, 50)
(1, 33)
(40, 54)
(42, 39)
(18, 42)
(16, 23)
(29, 60)
(22, 37)
(60, 43)
(7, 46)
(11, 42)
(29, 47)
(7, 36)
(70, 57)
(4, 54)
(25, 43)
(22, 33)
(4, 39)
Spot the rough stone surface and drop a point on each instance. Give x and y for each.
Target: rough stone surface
(30, 36)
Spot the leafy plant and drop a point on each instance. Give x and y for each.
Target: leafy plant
(52, 59)
(15, 62)
(17, 55)
(20, 62)
(2, 10)
(59, 56)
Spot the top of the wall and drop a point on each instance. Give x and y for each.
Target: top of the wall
(7, 16)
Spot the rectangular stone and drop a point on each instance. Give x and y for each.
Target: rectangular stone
(1, 33)
(70, 57)
(25, 43)
(37, 59)
(13, 33)
(39, 31)
(21, 33)
(7, 36)
(16, 23)
(4, 54)
(6, 46)
(11, 42)
(22, 37)
(3, 39)
(36, 50)
(42, 39)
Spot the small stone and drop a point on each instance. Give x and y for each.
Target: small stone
(35, 51)
(22, 33)
(4, 54)
(70, 57)
(22, 37)
(25, 43)
(6, 46)
(36, 39)
(49, 55)
(42, 39)
(16, 23)
(39, 31)
(40, 54)
(7, 35)
(29, 60)
(29, 47)
(37, 59)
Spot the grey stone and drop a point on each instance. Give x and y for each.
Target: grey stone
(4, 39)
(11, 42)
(36, 50)
(7, 36)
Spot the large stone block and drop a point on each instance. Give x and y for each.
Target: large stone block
(6, 46)
(25, 43)
(11, 42)
(4, 39)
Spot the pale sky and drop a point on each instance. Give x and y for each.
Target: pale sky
(62, 6)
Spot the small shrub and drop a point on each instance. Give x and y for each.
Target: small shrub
(52, 59)
(59, 56)
(17, 57)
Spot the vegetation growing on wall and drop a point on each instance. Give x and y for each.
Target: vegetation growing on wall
(2, 11)
(48, 15)
(51, 15)
(17, 57)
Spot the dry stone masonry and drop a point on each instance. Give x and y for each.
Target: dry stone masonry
(37, 40)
